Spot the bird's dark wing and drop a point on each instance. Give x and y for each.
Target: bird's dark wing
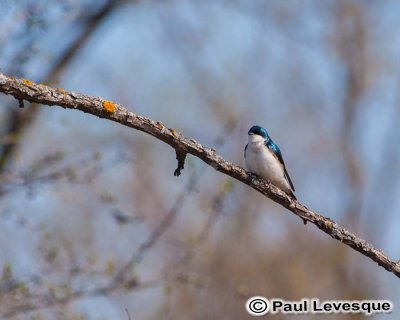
(245, 148)
(277, 153)
(288, 179)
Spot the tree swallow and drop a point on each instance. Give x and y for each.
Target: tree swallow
(264, 158)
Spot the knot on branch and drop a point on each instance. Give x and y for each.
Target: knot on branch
(180, 156)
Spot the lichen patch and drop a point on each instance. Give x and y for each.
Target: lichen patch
(109, 106)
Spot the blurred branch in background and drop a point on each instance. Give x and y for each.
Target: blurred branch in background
(45, 171)
(19, 120)
(351, 45)
(169, 218)
(125, 278)
(27, 90)
(56, 297)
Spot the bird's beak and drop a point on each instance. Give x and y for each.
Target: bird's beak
(251, 133)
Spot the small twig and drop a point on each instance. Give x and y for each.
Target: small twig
(180, 156)
(21, 103)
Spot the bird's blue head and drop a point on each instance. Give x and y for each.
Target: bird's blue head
(260, 131)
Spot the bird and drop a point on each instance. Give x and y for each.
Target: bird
(264, 158)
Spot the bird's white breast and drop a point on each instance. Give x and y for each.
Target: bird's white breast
(261, 161)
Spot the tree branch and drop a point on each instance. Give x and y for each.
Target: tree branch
(23, 89)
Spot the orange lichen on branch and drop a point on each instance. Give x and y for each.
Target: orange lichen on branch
(109, 106)
(28, 82)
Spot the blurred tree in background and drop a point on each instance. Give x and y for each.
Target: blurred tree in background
(93, 224)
